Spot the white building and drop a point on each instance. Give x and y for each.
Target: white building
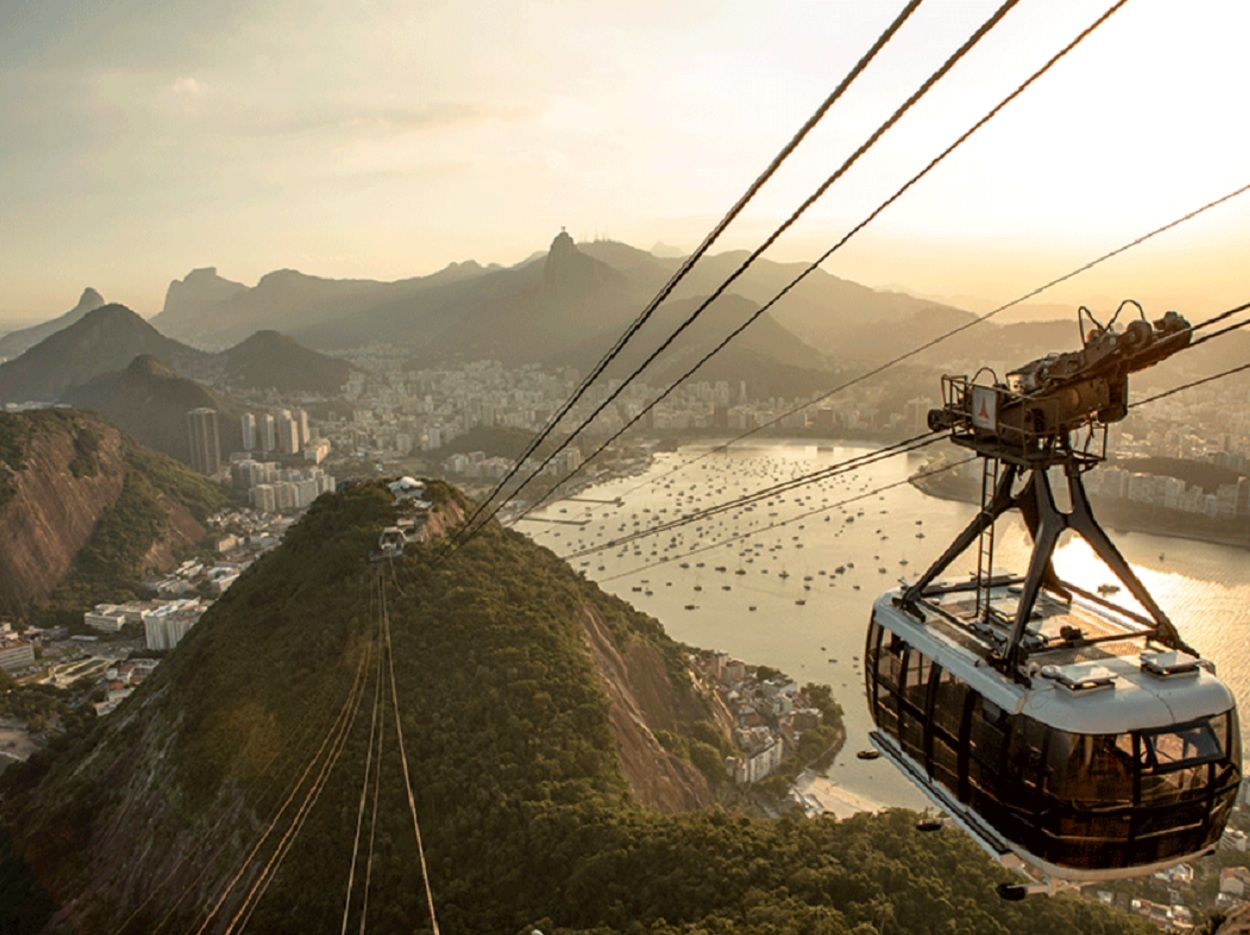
(105, 617)
(165, 627)
(16, 654)
(268, 432)
(756, 766)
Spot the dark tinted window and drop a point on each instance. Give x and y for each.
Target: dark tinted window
(1180, 747)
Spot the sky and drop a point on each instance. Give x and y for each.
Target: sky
(382, 140)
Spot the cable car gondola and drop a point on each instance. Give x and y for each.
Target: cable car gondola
(1062, 731)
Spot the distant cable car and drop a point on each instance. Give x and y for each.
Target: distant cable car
(390, 544)
(1061, 731)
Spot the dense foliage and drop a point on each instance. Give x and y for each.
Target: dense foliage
(526, 818)
(201, 496)
(16, 431)
(110, 565)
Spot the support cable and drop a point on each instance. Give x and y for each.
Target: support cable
(689, 261)
(335, 727)
(851, 464)
(837, 246)
(1217, 318)
(244, 914)
(879, 490)
(1186, 386)
(403, 759)
(364, 782)
(946, 66)
(373, 820)
(921, 348)
(263, 777)
(794, 519)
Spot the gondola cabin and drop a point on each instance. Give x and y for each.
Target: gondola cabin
(391, 543)
(1109, 759)
(1064, 732)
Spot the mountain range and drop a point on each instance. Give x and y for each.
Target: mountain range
(108, 339)
(567, 305)
(564, 305)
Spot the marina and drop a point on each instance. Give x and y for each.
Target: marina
(806, 565)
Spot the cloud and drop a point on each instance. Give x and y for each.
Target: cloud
(187, 88)
(371, 122)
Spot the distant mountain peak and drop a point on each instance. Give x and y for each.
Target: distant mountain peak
(667, 251)
(145, 365)
(197, 292)
(278, 276)
(105, 339)
(563, 244)
(204, 272)
(112, 312)
(566, 268)
(18, 342)
(90, 299)
(270, 358)
(267, 338)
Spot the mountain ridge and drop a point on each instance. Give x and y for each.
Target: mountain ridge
(15, 343)
(107, 340)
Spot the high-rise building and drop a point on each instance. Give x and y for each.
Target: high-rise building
(263, 498)
(268, 432)
(288, 433)
(301, 419)
(248, 422)
(205, 441)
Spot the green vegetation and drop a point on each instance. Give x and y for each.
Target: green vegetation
(16, 431)
(201, 496)
(110, 565)
(85, 462)
(526, 817)
(37, 706)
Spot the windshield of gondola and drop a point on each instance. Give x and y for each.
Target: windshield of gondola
(1186, 746)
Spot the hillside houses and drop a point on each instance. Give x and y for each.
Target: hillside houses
(770, 715)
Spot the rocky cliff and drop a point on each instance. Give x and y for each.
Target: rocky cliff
(644, 700)
(69, 478)
(1236, 923)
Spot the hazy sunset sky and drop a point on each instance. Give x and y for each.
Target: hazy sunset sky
(139, 140)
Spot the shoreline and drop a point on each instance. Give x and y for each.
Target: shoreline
(819, 797)
(1115, 515)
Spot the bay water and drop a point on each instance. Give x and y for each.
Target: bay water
(789, 582)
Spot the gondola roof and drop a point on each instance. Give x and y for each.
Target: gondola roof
(1098, 689)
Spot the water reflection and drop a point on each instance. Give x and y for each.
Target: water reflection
(789, 581)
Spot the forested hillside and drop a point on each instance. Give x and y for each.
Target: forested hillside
(527, 816)
(85, 512)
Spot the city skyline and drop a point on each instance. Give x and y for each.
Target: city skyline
(383, 142)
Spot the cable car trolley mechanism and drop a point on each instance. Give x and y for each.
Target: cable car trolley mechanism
(1064, 732)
